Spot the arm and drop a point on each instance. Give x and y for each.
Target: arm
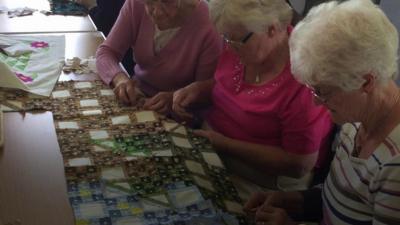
(208, 58)
(275, 208)
(269, 159)
(386, 201)
(284, 207)
(110, 53)
(198, 92)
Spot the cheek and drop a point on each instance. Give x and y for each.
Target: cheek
(341, 111)
(170, 13)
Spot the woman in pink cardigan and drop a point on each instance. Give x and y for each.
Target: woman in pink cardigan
(174, 44)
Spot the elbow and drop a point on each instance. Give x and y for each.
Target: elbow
(299, 169)
(300, 165)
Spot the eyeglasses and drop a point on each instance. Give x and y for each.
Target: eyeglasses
(321, 97)
(237, 44)
(163, 3)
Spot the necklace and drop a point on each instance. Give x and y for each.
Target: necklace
(357, 145)
(257, 80)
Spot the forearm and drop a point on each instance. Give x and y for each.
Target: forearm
(107, 64)
(271, 160)
(205, 93)
(118, 79)
(293, 203)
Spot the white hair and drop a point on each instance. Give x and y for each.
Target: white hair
(338, 43)
(253, 15)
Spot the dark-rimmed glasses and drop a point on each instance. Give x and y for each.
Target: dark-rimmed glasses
(163, 3)
(318, 95)
(237, 44)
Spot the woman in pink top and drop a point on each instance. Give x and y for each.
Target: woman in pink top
(264, 123)
(173, 42)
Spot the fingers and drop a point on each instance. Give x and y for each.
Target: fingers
(201, 133)
(182, 99)
(126, 92)
(269, 215)
(157, 105)
(262, 217)
(177, 105)
(255, 201)
(121, 94)
(131, 93)
(150, 101)
(160, 102)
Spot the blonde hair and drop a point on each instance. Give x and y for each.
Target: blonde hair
(338, 43)
(253, 15)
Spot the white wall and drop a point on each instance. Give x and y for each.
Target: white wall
(392, 10)
(298, 5)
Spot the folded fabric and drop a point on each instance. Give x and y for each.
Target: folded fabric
(80, 66)
(31, 63)
(20, 12)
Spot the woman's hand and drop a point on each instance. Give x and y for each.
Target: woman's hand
(160, 102)
(125, 89)
(217, 139)
(274, 207)
(256, 201)
(268, 215)
(183, 98)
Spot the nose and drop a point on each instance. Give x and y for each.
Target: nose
(157, 10)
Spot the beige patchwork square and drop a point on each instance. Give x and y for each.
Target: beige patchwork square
(180, 130)
(121, 120)
(106, 92)
(195, 167)
(151, 205)
(163, 153)
(61, 94)
(97, 148)
(16, 104)
(186, 197)
(89, 103)
(68, 125)
(181, 142)
(233, 207)
(159, 198)
(89, 210)
(113, 173)
(203, 183)
(81, 85)
(128, 221)
(212, 159)
(98, 134)
(80, 162)
(92, 112)
(4, 108)
(145, 116)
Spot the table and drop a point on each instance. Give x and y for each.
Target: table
(39, 23)
(33, 188)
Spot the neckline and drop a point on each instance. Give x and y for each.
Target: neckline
(381, 144)
(268, 83)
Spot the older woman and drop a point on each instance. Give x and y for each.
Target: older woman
(350, 65)
(174, 44)
(264, 122)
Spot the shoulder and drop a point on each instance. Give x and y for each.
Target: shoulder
(134, 7)
(200, 18)
(389, 151)
(228, 60)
